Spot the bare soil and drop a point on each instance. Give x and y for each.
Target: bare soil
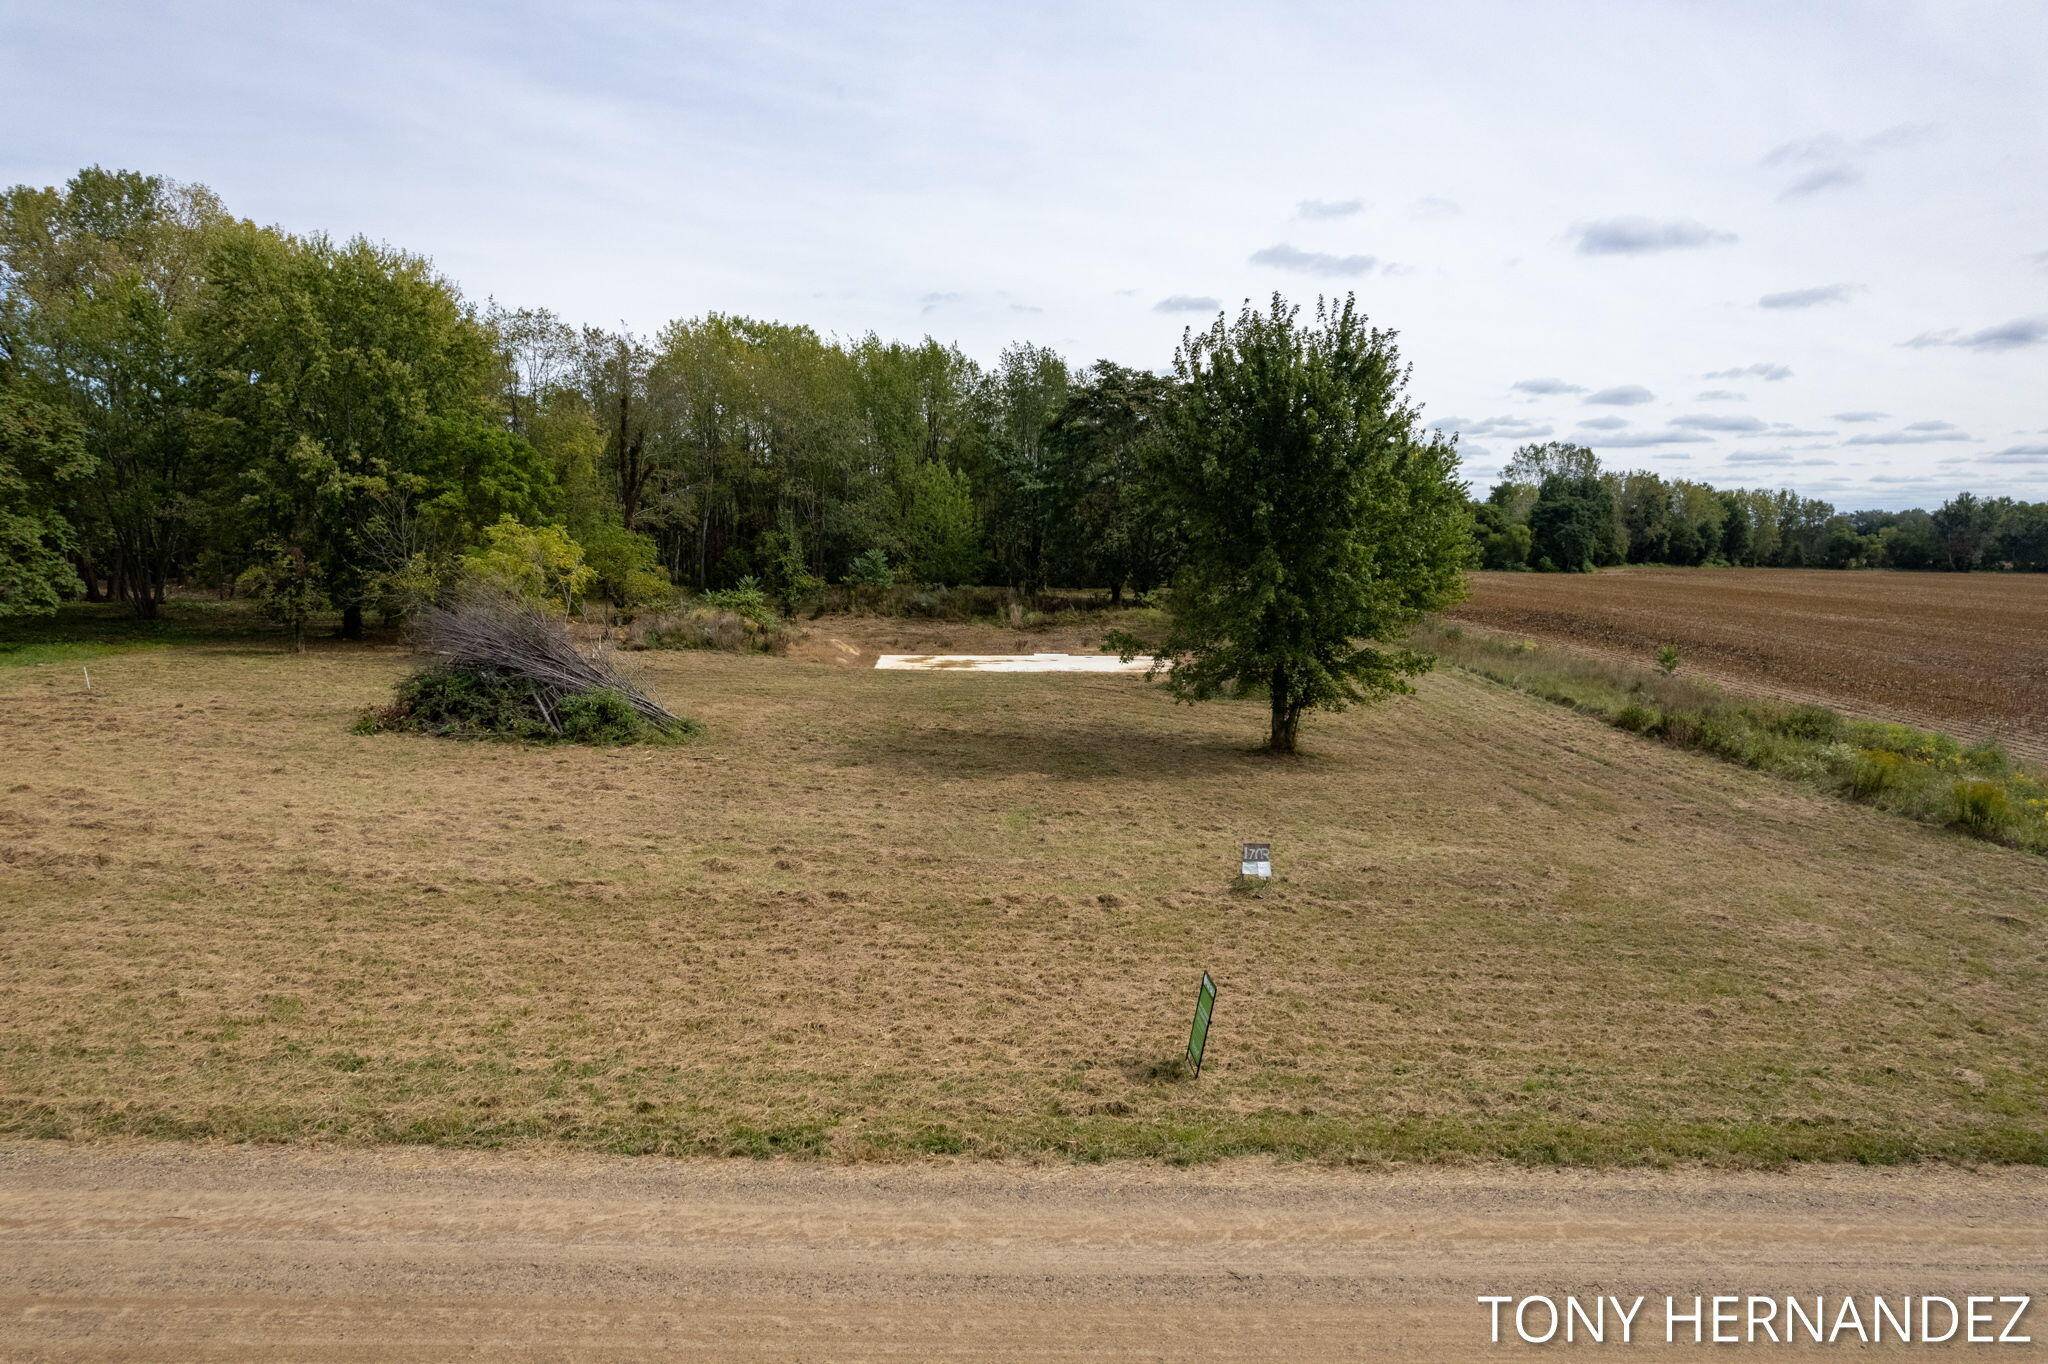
(207, 1253)
(1966, 653)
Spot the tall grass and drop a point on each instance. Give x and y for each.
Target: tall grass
(1976, 789)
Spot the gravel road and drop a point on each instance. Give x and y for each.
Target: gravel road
(167, 1252)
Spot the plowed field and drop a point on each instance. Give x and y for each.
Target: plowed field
(1964, 653)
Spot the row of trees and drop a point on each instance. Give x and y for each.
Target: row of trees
(188, 397)
(1555, 508)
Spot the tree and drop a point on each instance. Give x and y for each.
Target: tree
(939, 530)
(1965, 525)
(1111, 524)
(42, 455)
(1570, 522)
(1502, 543)
(346, 375)
(1322, 521)
(538, 564)
(98, 280)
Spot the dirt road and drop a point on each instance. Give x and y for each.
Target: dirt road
(169, 1252)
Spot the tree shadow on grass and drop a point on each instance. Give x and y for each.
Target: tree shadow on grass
(1079, 752)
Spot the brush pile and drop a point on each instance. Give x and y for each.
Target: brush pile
(503, 669)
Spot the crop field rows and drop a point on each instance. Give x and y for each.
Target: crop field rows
(1966, 653)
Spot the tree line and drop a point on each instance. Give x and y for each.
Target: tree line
(1556, 509)
(189, 398)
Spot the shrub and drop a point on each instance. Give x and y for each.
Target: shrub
(602, 716)
(701, 627)
(1667, 659)
(1817, 724)
(871, 569)
(745, 598)
(1873, 772)
(1636, 718)
(536, 564)
(1981, 807)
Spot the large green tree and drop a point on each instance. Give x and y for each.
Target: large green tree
(349, 376)
(1112, 524)
(98, 282)
(1322, 520)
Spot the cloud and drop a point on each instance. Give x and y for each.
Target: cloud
(1625, 395)
(1329, 208)
(1434, 207)
(1920, 433)
(2019, 454)
(1702, 421)
(1637, 439)
(1768, 371)
(2040, 258)
(1832, 158)
(1545, 387)
(1634, 235)
(938, 299)
(1512, 427)
(1025, 308)
(2021, 331)
(1603, 423)
(1187, 303)
(1810, 298)
(1780, 460)
(1861, 415)
(1721, 395)
(1285, 257)
(1821, 178)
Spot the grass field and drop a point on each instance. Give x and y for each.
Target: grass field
(1961, 652)
(876, 914)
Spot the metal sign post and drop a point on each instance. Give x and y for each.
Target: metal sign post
(1198, 1035)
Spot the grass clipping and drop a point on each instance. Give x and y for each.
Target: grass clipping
(502, 669)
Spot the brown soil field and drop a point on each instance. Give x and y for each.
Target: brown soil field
(1965, 653)
(156, 1252)
(887, 914)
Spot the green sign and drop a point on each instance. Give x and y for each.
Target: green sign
(1198, 1036)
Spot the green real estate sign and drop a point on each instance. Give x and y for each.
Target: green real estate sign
(1198, 1036)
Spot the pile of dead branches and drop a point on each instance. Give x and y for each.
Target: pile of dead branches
(489, 632)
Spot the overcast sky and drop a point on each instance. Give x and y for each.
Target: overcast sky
(1753, 243)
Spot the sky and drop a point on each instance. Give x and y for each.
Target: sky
(1759, 244)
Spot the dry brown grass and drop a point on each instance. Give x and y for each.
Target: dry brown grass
(1965, 653)
(882, 913)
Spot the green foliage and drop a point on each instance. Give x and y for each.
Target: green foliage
(1667, 659)
(42, 458)
(537, 564)
(941, 534)
(626, 568)
(747, 599)
(1912, 772)
(1571, 523)
(711, 627)
(1501, 543)
(1981, 806)
(288, 587)
(486, 703)
(870, 568)
(1112, 518)
(1321, 520)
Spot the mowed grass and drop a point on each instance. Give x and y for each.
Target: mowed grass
(879, 914)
